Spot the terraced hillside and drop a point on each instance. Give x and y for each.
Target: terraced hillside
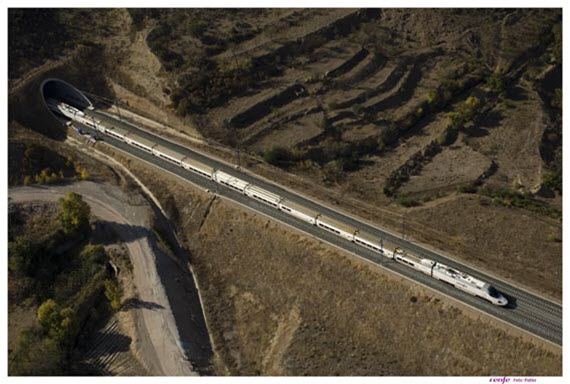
(386, 109)
(378, 110)
(351, 96)
(450, 118)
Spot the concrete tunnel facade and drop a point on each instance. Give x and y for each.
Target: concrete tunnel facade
(61, 90)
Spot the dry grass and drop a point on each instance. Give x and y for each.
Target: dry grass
(508, 242)
(286, 304)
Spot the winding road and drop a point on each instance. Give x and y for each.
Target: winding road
(170, 338)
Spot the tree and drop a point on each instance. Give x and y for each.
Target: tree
(22, 256)
(58, 324)
(553, 178)
(48, 315)
(278, 156)
(74, 214)
(471, 107)
(113, 294)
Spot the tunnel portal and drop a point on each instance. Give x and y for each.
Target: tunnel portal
(62, 91)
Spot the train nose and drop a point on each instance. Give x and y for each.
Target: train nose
(502, 301)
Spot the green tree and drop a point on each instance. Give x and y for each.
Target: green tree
(113, 294)
(22, 256)
(49, 315)
(74, 214)
(58, 324)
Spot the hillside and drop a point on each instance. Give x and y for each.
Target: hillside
(451, 117)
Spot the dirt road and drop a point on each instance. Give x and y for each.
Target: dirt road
(169, 339)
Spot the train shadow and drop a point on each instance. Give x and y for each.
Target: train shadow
(512, 301)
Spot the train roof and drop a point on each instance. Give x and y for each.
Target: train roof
(460, 275)
(169, 152)
(256, 189)
(120, 131)
(141, 140)
(197, 164)
(368, 237)
(299, 208)
(337, 224)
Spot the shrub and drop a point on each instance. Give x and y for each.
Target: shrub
(433, 97)
(448, 137)
(278, 156)
(198, 28)
(495, 82)
(557, 45)
(113, 294)
(74, 214)
(552, 237)
(58, 324)
(507, 198)
(553, 178)
(22, 256)
(408, 202)
(84, 174)
(467, 188)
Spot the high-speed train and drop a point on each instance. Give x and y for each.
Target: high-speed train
(429, 267)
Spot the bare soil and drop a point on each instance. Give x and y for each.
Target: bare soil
(485, 234)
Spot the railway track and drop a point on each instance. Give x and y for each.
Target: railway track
(526, 311)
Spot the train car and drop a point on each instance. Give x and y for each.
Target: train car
(91, 122)
(230, 181)
(469, 284)
(197, 167)
(298, 211)
(168, 154)
(419, 264)
(263, 195)
(369, 241)
(336, 227)
(116, 132)
(140, 142)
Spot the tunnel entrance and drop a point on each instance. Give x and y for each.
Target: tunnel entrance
(62, 91)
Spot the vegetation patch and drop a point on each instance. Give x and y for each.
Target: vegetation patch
(62, 277)
(509, 198)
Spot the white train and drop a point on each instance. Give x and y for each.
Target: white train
(434, 269)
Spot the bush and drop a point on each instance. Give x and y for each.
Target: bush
(448, 137)
(507, 198)
(58, 324)
(467, 188)
(22, 256)
(557, 45)
(113, 294)
(408, 202)
(279, 157)
(553, 178)
(496, 82)
(389, 135)
(198, 28)
(74, 216)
